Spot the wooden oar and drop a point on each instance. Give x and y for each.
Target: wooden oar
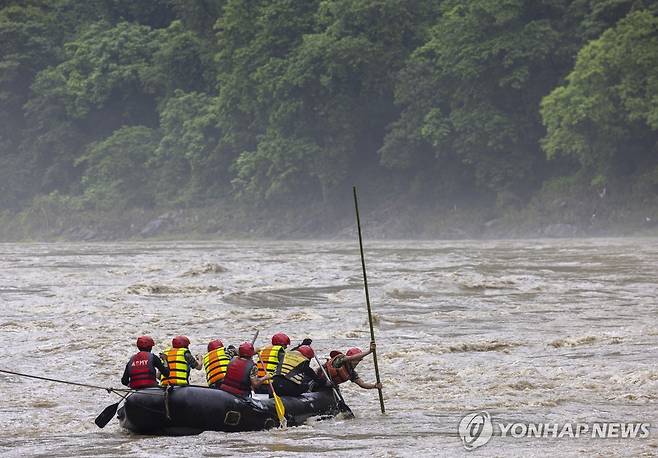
(108, 413)
(342, 406)
(365, 283)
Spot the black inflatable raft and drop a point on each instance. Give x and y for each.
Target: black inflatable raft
(186, 410)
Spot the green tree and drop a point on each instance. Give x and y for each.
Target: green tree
(117, 169)
(199, 16)
(189, 164)
(606, 115)
(470, 93)
(321, 75)
(29, 42)
(96, 89)
(182, 60)
(104, 68)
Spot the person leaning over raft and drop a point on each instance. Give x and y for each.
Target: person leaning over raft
(341, 367)
(140, 370)
(215, 363)
(242, 374)
(180, 362)
(294, 376)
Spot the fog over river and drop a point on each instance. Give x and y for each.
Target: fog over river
(531, 331)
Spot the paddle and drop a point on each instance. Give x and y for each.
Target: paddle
(342, 407)
(365, 283)
(278, 403)
(108, 413)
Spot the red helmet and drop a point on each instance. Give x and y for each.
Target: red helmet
(214, 344)
(246, 350)
(145, 343)
(306, 351)
(180, 342)
(280, 339)
(353, 351)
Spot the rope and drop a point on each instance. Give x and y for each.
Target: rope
(86, 385)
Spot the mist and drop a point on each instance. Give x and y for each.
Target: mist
(178, 119)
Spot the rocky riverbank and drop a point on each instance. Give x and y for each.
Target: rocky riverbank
(392, 221)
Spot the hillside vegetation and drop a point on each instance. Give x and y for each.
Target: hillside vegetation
(455, 118)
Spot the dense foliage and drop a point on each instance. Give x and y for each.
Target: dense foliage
(118, 104)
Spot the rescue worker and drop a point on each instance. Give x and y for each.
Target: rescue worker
(140, 370)
(241, 374)
(340, 367)
(306, 341)
(294, 375)
(271, 355)
(180, 362)
(215, 363)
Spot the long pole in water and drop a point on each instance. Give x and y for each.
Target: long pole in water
(365, 283)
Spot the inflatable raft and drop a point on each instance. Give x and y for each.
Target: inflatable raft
(186, 410)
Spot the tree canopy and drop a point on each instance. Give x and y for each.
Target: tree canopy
(124, 104)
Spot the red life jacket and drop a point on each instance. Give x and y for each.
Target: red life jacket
(340, 375)
(237, 380)
(141, 371)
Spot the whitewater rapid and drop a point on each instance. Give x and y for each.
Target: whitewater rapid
(528, 331)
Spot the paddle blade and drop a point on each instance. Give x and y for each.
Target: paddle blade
(345, 410)
(280, 410)
(106, 415)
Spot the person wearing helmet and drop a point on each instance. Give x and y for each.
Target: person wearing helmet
(341, 367)
(307, 341)
(215, 363)
(270, 355)
(140, 372)
(180, 362)
(294, 376)
(241, 374)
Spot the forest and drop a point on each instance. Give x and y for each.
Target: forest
(454, 118)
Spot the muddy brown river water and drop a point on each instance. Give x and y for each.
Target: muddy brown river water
(529, 331)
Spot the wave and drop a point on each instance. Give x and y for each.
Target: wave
(494, 345)
(585, 340)
(205, 269)
(141, 289)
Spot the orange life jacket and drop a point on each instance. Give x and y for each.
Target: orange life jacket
(215, 363)
(270, 357)
(179, 370)
(340, 375)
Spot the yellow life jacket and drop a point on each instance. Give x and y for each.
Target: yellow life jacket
(292, 366)
(270, 357)
(215, 363)
(179, 370)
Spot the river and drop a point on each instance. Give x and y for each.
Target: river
(530, 331)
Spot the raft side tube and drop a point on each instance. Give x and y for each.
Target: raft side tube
(186, 410)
